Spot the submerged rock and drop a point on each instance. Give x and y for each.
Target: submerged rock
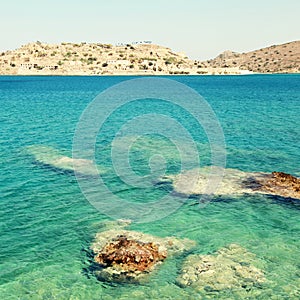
(51, 157)
(198, 181)
(230, 268)
(234, 182)
(128, 256)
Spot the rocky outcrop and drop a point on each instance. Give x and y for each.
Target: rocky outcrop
(234, 182)
(278, 183)
(129, 256)
(133, 256)
(230, 268)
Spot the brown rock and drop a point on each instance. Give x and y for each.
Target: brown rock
(131, 255)
(281, 184)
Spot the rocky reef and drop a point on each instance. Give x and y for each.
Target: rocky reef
(229, 268)
(234, 182)
(129, 256)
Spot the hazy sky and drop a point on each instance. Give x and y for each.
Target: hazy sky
(200, 28)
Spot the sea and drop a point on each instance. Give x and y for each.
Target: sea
(48, 223)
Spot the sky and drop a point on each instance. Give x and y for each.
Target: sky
(200, 28)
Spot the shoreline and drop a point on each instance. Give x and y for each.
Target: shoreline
(141, 75)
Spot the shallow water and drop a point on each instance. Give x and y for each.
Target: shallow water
(46, 224)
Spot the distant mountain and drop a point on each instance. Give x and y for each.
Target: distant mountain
(284, 58)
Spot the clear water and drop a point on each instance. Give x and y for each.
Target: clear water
(46, 225)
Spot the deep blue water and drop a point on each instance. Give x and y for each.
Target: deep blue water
(46, 224)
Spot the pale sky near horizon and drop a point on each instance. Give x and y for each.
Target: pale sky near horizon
(200, 28)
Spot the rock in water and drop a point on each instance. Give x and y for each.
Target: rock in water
(133, 256)
(129, 256)
(52, 158)
(197, 181)
(280, 184)
(234, 182)
(230, 268)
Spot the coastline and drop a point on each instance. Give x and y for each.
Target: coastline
(70, 59)
(141, 75)
(190, 72)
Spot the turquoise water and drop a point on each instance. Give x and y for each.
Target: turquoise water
(46, 224)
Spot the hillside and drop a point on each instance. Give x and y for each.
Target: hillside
(100, 59)
(89, 59)
(283, 58)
